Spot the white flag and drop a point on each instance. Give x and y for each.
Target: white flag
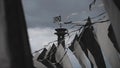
(113, 9)
(110, 53)
(80, 55)
(62, 57)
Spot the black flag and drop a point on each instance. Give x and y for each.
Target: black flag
(47, 57)
(79, 53)
(42, 55)
(38, 64)
(90, 43)
(41, 58)
(51, 54)
(112, 37)
(117, 2)
(74, 47)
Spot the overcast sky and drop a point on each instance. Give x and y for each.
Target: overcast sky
(40, 13)
(39, 17)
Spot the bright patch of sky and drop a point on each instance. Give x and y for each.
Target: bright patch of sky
(39, 37)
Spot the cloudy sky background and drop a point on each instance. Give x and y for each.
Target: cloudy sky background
(39, 17)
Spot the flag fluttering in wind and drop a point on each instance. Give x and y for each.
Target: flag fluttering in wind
(79, 53)
(112, 38)
(42, 54)
(91, 44)
(51, 54)
(42, 58)
(92, 60)
(62, 57)
(57, 19)
(117, 3)
(38, 64)
(114, 16)
(110, 53)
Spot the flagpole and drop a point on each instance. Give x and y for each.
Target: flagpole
(61, 32)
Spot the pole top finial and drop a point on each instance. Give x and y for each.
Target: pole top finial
(60, 32)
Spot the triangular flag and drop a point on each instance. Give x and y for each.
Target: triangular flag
(51, 54)
(112, 38)
(110, 53)
(38, 64)
(42, 55)
(62, 57)
(80, 55)
(42, 58)
(90, 43)
(114, 16)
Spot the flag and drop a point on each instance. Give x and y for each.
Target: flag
(80, 55)
(92, 60)
(57, 19)
(114, 16)
(48, 63)
(86, 51)
(110, 53)
(91, 44)
(42, 58)
(48, 57)
(51, 54)
(62, 57)
(42, 55)
(38, 64)
(117, 3)
(112, 38)
(72, 44)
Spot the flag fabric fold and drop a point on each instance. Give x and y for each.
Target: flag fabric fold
(117, 3)
(38, 64)
(114, 16)
(79, 54)
(90, 43)
(51, 54)
(42, 58)
(110, 53)
(42, 55)
(111, 35)
(62, 57)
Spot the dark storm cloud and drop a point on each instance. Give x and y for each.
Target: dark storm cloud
(40, 13)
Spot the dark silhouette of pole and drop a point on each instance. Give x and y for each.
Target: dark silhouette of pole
(60, 32)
